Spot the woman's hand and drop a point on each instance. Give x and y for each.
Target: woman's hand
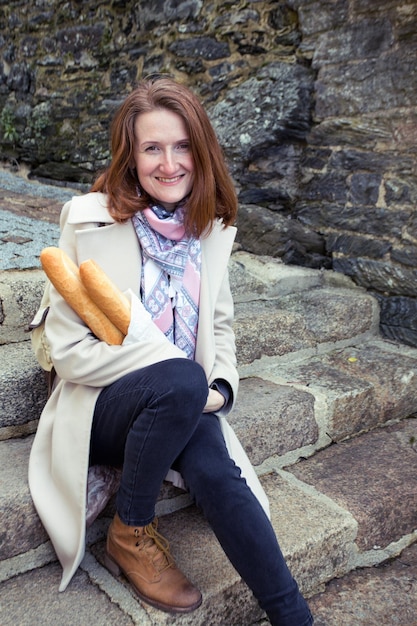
(215, 401)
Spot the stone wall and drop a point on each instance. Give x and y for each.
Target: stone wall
(313, 101)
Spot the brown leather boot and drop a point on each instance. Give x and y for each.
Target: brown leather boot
(143, 555)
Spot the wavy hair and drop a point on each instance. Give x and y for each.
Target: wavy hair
(213, 193)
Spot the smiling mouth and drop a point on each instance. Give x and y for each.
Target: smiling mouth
(169, 180)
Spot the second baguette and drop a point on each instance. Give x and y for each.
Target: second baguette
(106, 295)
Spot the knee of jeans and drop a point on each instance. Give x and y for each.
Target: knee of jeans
(189, 380)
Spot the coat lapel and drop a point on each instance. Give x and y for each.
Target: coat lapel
(215, 250)
(112, 245)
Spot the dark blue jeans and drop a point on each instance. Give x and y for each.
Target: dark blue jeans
(152, 420)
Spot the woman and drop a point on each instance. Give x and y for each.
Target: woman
(158, 221)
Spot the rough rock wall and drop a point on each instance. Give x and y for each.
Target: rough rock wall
(313, 101)
(359, 187)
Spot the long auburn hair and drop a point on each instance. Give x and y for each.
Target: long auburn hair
(213, 193)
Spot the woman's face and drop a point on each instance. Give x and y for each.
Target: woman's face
(163, 158)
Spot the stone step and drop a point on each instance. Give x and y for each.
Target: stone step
(353, 504)
(20, 294)
(305, 323)
(23, 390)
(303, 405)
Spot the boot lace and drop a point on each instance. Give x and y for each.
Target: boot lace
(155, 545)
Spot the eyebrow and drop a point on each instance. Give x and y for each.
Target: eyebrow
(157, 143)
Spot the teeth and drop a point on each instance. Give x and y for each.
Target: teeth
(169, 180)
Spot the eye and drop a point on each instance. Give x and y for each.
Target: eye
(152, 149)
(183, 147)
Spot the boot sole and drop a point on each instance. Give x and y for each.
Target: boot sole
(115, 569)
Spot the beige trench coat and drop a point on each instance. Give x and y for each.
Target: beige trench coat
(58, 463)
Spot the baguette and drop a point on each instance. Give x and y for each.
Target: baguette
(64, 275)
(106, 295)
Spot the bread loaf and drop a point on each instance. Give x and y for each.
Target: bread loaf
(64, 275)
(106, 295)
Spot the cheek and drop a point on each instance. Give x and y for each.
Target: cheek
(190, 164)
(143, 168)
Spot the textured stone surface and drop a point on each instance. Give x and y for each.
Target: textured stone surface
(333, 314)
(351, 403)
(398, 316)
(21, 529)
(266, 232)
(272, 419)
(394, 379)
(364, 386)
(263, 275)
(33, 598)
(301, 321)
(373, 477)
(23, 388)
(20, 294)
(21, 245)
(262, 328)
(385, 594)
(315, 535)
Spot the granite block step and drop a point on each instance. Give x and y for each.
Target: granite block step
(23, 390)
(384, 594)
(355, 388)
(374, 478)
(305, 322)
(20, 294)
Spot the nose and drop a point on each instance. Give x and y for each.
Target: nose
(169, 161)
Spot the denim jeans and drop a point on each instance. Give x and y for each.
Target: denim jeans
(151, 420)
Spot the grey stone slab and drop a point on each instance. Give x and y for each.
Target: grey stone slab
(316, 534)
(364, 385)
(350, 404)
(262, 328)
(334, 314)
(21, 528)
(19, 185)
(33, 599)
(23, 389)
(302, 321)
(386, 594)
(272, 419)
(372, 476)
(253, 273)
(20, 295)
(393, 376)
(22, 239)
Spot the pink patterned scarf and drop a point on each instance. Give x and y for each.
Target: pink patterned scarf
(170, 281)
